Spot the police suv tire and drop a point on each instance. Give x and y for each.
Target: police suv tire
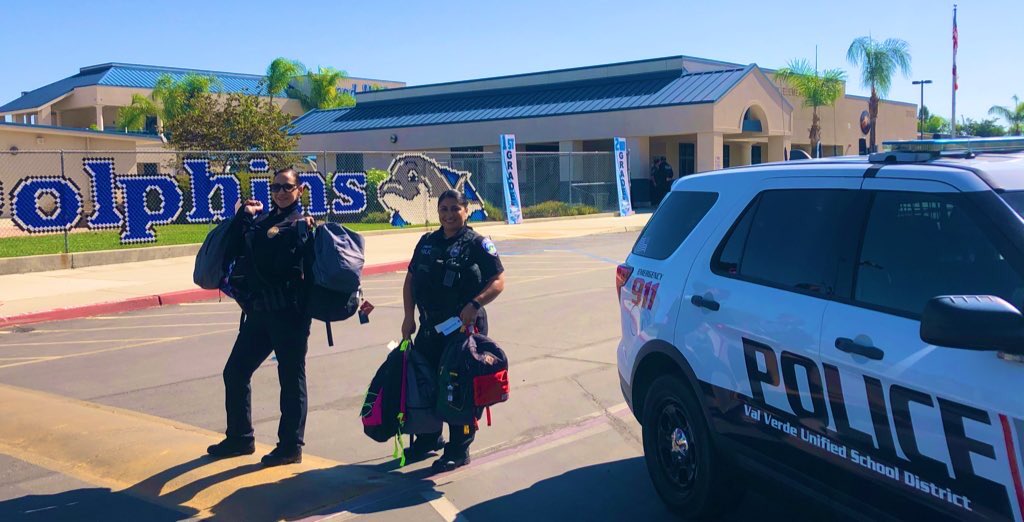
(687, 470)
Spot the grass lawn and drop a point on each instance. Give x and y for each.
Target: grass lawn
(32, 245)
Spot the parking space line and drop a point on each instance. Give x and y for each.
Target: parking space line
(148, 342)
(109, 328)
(444, 507)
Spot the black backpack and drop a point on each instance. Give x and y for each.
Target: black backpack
(334, 271)
(473, 375)
(382, 413)
(211, 260)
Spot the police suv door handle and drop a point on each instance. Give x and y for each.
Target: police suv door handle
(844, 344)
(705, 302)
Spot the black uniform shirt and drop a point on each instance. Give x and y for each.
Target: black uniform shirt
(482, 253)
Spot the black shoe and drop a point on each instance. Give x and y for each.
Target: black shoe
(231, 448)
(446, 463)
(421, 447)
(282, 455)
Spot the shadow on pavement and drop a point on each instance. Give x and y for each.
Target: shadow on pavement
(87, 504)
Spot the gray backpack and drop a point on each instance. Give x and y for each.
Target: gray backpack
(335, 271)
(210, 265)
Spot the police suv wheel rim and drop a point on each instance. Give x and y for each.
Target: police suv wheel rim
(675, 447)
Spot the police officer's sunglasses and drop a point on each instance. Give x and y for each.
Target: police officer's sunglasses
(278, 187)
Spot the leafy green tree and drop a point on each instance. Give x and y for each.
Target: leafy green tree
(935, 124)
(319, 90)
(1013, 115)
(984, 128)
(817, 90)
(878, 61)
(176, 97)
(234, 122)
(133, 117)
(280, 74)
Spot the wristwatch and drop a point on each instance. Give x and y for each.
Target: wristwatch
(476, 304)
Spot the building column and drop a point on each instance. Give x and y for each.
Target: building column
(709, 151)
(740, 154)
(568, 168)
(639, 156)
(99, 117)
(777, 149)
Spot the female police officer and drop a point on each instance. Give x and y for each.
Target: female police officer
(268, 284)
(454, 272)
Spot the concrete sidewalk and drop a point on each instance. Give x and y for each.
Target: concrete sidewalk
(64, 294)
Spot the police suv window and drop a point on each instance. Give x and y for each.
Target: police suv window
(919, 245)
(790, 239)
(678, 215)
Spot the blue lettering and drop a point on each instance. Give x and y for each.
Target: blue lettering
(260, 190)
(203, 185)
(316, 187)
(26, 213)
(101, 175)
(351, 190)
(139, 219)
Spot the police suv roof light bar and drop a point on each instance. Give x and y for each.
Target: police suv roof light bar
(924, 150)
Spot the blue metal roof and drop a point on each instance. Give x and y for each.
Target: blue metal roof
(596, 95)
(111, 132)
(131, 75)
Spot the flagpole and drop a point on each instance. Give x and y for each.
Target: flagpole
(956, 37)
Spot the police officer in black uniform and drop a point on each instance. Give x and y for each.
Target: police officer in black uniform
(267, 282)
(454, 272)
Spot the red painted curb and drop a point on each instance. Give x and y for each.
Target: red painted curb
(385, 268)
(188, 296)
(151, 301)
(134, 303)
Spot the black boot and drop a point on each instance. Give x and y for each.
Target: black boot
(282, 455)
(446, 463)
(232, 448)
(423, 445)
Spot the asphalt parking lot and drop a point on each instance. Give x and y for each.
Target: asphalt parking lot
(140, 388)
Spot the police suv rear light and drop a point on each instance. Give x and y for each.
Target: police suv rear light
(622, 273)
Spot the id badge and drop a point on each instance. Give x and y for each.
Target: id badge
(449, 326)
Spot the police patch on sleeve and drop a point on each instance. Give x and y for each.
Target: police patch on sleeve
(489, 247)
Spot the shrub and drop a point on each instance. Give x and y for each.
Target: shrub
(493, 213)
(557, 209)
(376, 217)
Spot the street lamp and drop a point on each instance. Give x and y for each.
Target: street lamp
(920, 111)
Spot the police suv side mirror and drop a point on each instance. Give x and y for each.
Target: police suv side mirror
(973, 322)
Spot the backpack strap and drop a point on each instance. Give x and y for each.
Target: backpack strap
(330, 334)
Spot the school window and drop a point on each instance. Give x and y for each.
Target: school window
(687, 159)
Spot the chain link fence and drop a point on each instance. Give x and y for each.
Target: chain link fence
(74, 201)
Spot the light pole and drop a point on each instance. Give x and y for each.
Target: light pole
(920, 111)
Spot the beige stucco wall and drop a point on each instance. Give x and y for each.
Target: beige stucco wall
(14, 167)
(754, 90)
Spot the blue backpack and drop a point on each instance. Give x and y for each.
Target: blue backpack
(335, 271)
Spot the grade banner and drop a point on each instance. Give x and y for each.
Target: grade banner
(622, 176)
(510, 176)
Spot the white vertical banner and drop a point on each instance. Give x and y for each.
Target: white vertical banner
(510, 176)
(622, 176)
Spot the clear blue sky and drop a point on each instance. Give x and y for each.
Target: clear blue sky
(430, 42)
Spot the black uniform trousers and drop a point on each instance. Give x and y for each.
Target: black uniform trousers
(431, 344)
(286, 333)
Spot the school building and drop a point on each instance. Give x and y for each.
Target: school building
(700, 114)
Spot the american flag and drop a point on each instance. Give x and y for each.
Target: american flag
(956, 43)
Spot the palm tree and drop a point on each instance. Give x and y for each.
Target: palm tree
(1014, 115)
(319, 90)
(878, 62)
(133, 117)
(175, 96)
(280, 73)
(817, 90)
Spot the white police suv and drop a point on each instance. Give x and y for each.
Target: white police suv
(850, 328)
